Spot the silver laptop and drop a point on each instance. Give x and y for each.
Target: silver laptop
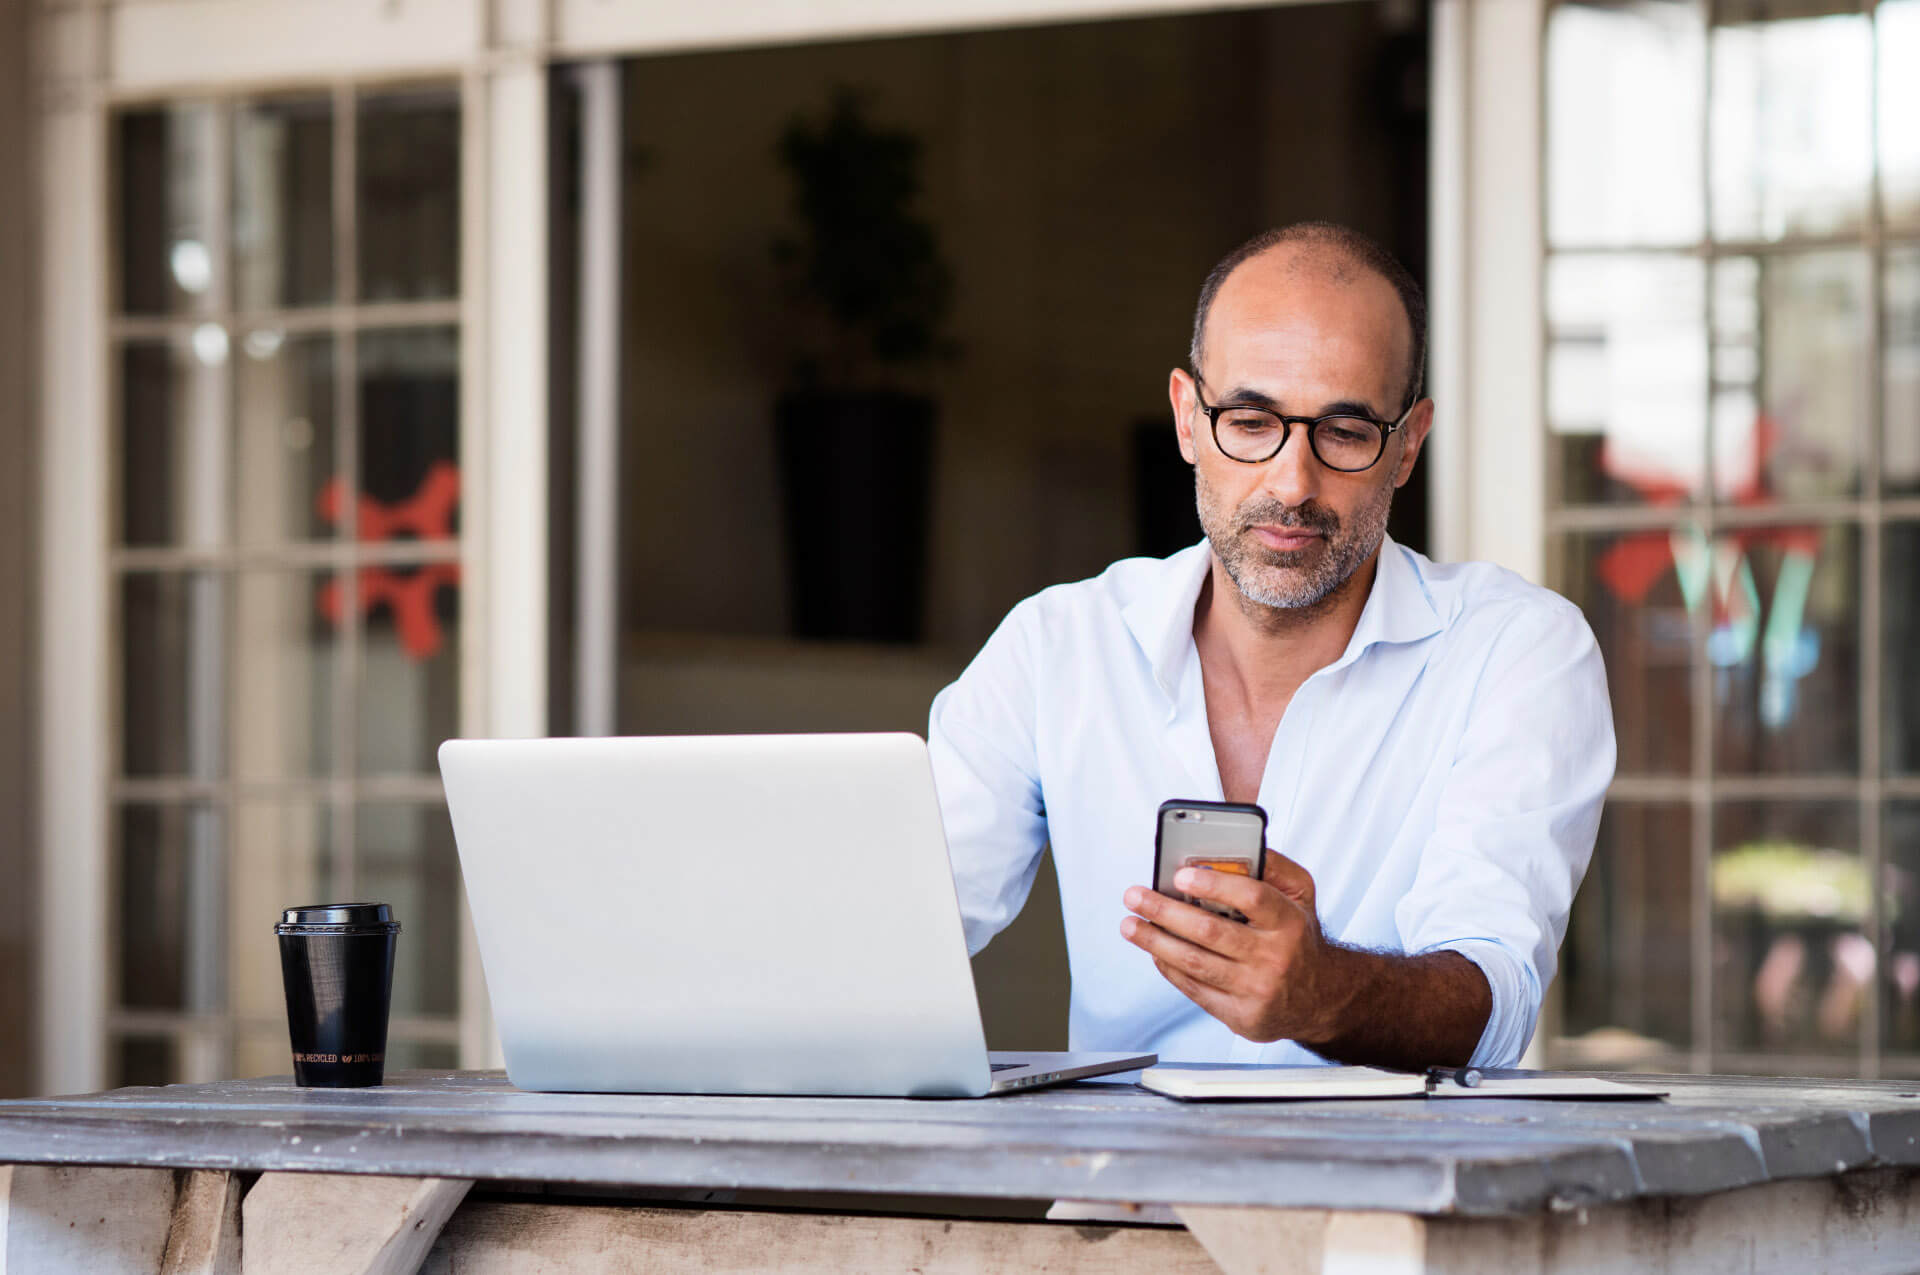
(748, 914)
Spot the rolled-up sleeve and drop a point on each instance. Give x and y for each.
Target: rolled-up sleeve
(1516, 819)
(980, 736)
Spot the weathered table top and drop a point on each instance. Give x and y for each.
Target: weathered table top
(1095, 1141)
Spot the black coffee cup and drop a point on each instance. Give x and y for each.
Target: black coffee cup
(337, 962)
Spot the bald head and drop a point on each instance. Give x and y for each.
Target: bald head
(1324, 254)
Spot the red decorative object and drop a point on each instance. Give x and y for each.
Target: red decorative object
(1636, 562)
(428, 515)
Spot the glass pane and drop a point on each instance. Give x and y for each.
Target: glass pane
(1900, 714)
(1628, 958)
(404, 857)
(1900, 1019)
(1626, 377)
(171, 460)
(145, 1060)
(1900, 468)
(421, 1055)
(409, 698)
(1792, 398)
(284, 425)
(172, 674)
(1637, 599)
(1624, 88)
(283, 204)
(172, 913)
(164, 160)
(1899, 119)
(1785, 648)
(1792, 126)
(409, 196)
(409, 434)
(262, 1051)
(1790, 902)
(282, 857)
(286, 662)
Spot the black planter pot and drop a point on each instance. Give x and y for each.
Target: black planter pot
(854, 475)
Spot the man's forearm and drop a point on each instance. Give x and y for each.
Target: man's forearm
(1409, 1012)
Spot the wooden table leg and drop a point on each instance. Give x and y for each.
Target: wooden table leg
(343, 1224)
(205, 1236)
(1858, 1224)
(102, 1221)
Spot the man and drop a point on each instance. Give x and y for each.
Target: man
(1431, 743)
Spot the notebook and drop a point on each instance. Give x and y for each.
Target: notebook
(1200, 1084)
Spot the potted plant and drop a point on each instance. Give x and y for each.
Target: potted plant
(870, 295)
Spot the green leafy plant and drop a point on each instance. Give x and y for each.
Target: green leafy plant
(872, 290)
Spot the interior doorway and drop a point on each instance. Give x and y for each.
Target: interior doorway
(1040, 207)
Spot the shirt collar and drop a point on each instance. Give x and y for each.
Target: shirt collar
(1400, 608)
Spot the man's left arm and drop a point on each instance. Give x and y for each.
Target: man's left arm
(1480, 926)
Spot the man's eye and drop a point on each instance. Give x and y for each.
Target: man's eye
(1249, 422)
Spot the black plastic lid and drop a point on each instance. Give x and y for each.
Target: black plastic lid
(372, 915)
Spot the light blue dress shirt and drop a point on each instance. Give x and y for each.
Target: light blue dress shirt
(1441, 780)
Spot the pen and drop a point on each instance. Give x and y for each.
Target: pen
(1465, 1077)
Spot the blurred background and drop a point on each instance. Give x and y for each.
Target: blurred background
(382, 372)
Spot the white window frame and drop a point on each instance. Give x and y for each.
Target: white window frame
(96, 53)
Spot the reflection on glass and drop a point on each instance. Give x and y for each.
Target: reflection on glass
(1624, 87)
(172, 674)
(286, 653)
(281, 856)
(145, 1060)
(1900, 980)
(1637, 589)
(1792, 392)
(1792, 126)
(409, 196)
(165, 171)
(1627, 377)
(1900, 614)
(406, 859)
(283, 204)
(1628, 955)
(1900, 459)
(170, 463)
(1898, 41)
(172, 908)
(409, 696)
(409, 433)
(284, 437)
(1791, 901)
(1785, 650)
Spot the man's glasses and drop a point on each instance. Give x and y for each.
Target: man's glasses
(1254, 435)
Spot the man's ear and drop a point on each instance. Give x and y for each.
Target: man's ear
(1414, 432)
(1180, 391)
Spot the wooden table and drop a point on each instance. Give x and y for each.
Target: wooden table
(462, 1173)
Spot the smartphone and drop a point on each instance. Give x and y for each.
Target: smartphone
(1227, 836)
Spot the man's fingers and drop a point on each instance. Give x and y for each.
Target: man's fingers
(1196, 925)
(1166, 949)
(1207, 997)
(1256, 900)
(1288, 877)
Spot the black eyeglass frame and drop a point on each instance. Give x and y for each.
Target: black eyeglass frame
(1312, 423)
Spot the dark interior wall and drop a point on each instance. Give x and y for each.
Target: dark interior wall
(1082, 180)
(18, 538)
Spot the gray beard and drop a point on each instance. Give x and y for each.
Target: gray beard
(1276, 579)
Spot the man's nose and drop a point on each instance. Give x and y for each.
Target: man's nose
(1292, 476)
